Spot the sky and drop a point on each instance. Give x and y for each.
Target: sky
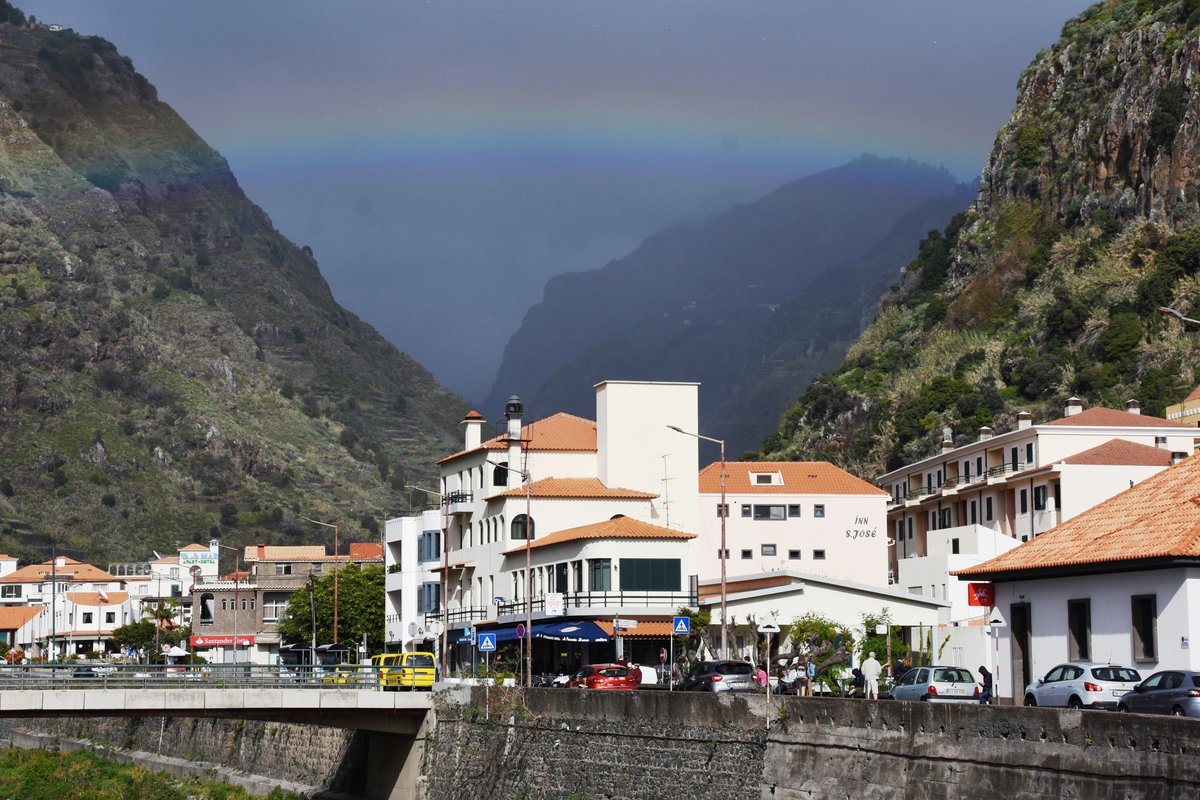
(443, 159)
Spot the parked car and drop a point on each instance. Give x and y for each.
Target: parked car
(1076, 685)
(605, 676)
(937, 684)
(343, 674)
(383, 663)
(721, 676)
(1175, 692)
(412, 670)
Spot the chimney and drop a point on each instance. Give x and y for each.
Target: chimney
(1024, 420)
(473, 430)
(1133, 406)
(1074, 406)
(1176, 457)
(985, 433)
(513, 410)
(947, 440)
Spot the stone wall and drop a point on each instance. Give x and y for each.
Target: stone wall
(560, 744)
(304, 755)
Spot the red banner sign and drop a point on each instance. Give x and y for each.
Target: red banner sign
(243, 640)
(981, 594)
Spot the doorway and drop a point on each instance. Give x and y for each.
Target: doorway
(1022, 654)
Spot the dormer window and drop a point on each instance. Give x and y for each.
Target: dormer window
(767, 478)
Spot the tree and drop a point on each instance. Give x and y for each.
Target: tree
(360, 610)
(825, 643)
(144, 636)
(873, 642)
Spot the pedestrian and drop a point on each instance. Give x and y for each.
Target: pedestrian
(810, 673)
(985, 693)
(857, 683)
(792, 680)
(871, 670)
(761, 677)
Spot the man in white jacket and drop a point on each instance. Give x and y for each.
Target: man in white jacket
(871, 670)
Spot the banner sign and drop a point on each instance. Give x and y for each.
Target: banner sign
(243, 640)
(981, 594)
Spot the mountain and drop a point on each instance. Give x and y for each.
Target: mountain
(1087, 221)
(171, 367)
(752, 303)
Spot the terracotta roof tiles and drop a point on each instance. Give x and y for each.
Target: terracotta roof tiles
(560, 432)
(1121, 452)
(13, 617)
(1113, 418)
(69, 570)
(1156, 519)
(799, 477)
(97, 598)
(619, 528)
(576, 488)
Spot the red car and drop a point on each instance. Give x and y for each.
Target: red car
(606, 676)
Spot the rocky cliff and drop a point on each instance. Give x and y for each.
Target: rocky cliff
(172, 367)
(1087, 220)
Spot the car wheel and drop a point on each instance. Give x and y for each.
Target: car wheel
(924, 698)
(1177, 712)
(1074, 703)
(1030, 701)
(1122, 708)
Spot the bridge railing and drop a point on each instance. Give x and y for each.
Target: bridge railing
(208, 676)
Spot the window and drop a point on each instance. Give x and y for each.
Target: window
(1145, 620)
(794, 555)
(747, 554)
(1013, 452)
(224, 603)
(1024, 496)
(274, 604)
(988, 514)
(910, 527)
(208, 608)
(10, 591)
(719, 553)
(500, 474)
(518, 527)
(110, 616)
(283, 569)
(650, 574)
(1029, 453)
(87, 618)
(979, 465)
(428, 599)
(601, 575)
(819, 511)
(946, 519)
(966, 467)
(794, 510)
(818, 555)
(1079, 629)
(933, 520)
(768, 549)
(974, 511)
(317, 568)
(1039, 498)
(429, 547)
(763, 479)
(954, 547)
(726, 510)
(746, 510)
(770, 512)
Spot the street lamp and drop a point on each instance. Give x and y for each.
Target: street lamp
(524, 473)
(335, 573)
(444, 499)
(724, 514)
(237, 577)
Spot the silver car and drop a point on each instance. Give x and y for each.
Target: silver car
(1082, 685)
(721, 676)
(937, 685)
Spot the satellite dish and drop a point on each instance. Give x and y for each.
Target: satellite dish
(420, 632)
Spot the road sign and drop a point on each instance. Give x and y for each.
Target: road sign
(520, 630)
(681, 626)
(981, 594)
(997, 621)
(487, 642)
(625, 624)
(768, 627)
(662, 655)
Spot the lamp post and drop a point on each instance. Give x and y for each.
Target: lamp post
(444, 499)
(721, 554)
(335, 573)
(237, 577)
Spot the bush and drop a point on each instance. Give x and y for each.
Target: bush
(6, 487)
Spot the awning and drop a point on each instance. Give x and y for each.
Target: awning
(572, 631)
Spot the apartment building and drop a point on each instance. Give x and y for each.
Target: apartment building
(573, 521)
(413, 584)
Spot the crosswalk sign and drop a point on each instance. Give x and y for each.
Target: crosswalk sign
(681, 626)
(487, 642)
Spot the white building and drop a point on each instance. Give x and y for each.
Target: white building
(413, 584)
(1116, 584)
(802, 516)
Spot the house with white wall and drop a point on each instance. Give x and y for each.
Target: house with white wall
(1118, 583)
(412, 553)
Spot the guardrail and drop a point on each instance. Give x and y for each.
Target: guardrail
(89, 675)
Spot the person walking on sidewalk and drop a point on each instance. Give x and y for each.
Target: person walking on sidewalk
(871, 669)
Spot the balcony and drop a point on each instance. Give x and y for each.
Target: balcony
(594, 602)
(460, 502)
(458, 616)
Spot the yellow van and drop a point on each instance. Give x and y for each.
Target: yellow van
(411, 671)
(383, 664)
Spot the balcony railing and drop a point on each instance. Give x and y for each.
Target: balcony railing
(458, 616)
(924, 490)
(459, 502)
(584, 600)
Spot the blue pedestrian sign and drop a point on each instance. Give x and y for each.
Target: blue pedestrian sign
(487, 642)
(681, 626)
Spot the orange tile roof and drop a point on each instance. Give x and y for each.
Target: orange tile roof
(576, 488)
(191, 548)
(13, 617)
(619, 528)
(1195, 395)
(1122, 452)
(1157, 519)
(166, 560)
(560, 432)
(646, 629)
(799, 477)
(473, 414)
(95, 599)
(70, 570)
(366, 550)
(1111, 417)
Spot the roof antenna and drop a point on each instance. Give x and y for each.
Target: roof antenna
(666, 490)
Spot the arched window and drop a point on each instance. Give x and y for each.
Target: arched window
(500, 474)
(208, 605)
(518, 527)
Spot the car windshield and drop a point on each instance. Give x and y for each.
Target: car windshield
(734, 668)
(952, 675)
(1124, 674)
(420, 661)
